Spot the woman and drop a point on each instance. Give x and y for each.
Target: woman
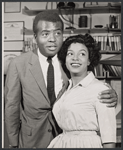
(86, 123)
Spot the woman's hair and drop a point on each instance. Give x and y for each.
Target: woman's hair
(46, 16)
(89, 42)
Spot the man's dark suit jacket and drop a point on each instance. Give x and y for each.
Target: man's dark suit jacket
(25, 85)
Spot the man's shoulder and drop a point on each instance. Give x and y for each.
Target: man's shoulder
(23, 57)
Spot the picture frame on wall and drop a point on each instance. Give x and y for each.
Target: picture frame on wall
(14, 46)
(8, 56)
(13, 31)
(12, 7)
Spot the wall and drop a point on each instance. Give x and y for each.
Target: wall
(28, 20)
(15, 48)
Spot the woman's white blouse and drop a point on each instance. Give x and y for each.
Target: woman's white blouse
(79, 109)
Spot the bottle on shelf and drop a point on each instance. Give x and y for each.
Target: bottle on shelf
(113, 22)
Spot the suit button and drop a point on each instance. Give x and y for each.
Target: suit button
(49, 130)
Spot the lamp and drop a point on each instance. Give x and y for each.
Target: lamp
(67, 6)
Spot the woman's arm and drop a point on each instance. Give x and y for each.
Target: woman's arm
(109, 145)
(106, 117)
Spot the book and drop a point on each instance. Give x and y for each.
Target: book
(105, 41)
(110, 71)
(110, 48)
(112, 43)
(118, 70)
(99, 42)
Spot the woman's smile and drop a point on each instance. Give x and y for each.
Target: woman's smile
(76, 65)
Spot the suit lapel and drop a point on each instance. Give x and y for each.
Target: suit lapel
(36, 71)
(65, 83)
(65, 86)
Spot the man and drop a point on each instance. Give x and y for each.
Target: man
(26, 86)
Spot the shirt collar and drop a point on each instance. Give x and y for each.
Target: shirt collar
(84, 82)
(88, 79)
(43, 58)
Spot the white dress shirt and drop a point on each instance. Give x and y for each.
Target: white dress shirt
(80, 115)
(57, 72)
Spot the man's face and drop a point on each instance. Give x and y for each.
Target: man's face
(49, 37)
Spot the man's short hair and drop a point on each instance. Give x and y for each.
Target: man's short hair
(46, 16)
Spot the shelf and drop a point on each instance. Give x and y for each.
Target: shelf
(108, 78)
(114, 30)
(113, 78)
(88, 30)
(111, 62)
(90, 10)
(110, 52)
(115, 60)
(78, 31)
(101, 77)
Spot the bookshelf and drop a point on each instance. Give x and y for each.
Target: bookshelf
(106, 9)
(108, 38)
(112, 70)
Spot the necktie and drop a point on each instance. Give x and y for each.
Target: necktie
(51, 93)
(50, 81)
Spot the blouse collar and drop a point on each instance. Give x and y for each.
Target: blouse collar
(84, 82)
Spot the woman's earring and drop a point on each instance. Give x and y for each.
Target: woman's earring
(88, 63)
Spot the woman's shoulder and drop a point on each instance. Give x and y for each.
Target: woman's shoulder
(99, 85)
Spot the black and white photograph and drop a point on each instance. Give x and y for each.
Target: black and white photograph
(61, 74)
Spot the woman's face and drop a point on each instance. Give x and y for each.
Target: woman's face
(77, 59)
